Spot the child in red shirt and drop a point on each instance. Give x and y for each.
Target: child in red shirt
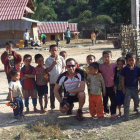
(41, 81)
(27, 75)
(10, 60)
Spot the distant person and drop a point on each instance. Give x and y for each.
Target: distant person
(43, 38)
(34, 43)
(58, 42)
(93, 36)
(26, 37)
(96, 33)
(10, 60)
(67, 35)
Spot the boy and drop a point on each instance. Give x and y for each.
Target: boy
(55, 65)
(96, 84)
(41, 82)
(118, 83)
(27, 75)
(108, 70)
(16, 93)
(10, 60)
(130, 77)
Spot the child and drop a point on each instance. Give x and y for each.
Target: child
(130, 77)
(58, 42)
(27, 75)
(93, 35)
(10, 60)
(96, 84)
(118, 83)
(41, 82)
(55, 65)
(63, 54)
(108, 70)
(16, 93)
(90, 58)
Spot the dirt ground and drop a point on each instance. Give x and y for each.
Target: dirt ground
(77, 51)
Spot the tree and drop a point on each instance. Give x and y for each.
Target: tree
(103, 21)
(44, 13)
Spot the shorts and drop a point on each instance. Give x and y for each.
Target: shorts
(72, 99)
(42, 90)
(28, 93)
(120, 97)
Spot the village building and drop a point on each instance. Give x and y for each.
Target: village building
(15, 19)
(52, 29)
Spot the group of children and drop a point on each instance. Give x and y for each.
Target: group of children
(117, 81)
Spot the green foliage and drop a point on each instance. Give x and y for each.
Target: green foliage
(87, 13)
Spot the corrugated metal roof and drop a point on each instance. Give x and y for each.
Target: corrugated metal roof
(12, 9)
(52, 27)
(56, 27)
(73, 27)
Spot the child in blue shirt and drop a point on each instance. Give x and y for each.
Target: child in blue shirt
(130, 77)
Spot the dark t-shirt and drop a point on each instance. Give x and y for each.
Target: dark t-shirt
(11, 60)
(131, 76)
(96, 32)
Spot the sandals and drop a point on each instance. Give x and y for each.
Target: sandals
(113, 117)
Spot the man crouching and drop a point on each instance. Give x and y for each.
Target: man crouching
(74, 86)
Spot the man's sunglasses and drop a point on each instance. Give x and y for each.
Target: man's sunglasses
(70, 66)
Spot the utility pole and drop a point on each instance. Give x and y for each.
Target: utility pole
(135, 13)
(135, 23)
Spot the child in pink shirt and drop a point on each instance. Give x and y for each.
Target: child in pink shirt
(108, 70)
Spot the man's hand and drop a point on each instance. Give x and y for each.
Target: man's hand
(115, 88)
(67, 94)
(104, 93)
(22, 96)
(124, 91)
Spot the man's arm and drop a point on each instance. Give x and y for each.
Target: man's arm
(81, 88)
(57, 95)
(123, 86)
(29, 76)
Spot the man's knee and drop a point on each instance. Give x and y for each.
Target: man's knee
(62, 110)
(81, 95)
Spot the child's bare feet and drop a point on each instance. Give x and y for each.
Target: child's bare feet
(51, 111)
(45, 109)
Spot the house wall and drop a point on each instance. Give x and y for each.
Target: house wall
(49, 36)
(15, 36)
